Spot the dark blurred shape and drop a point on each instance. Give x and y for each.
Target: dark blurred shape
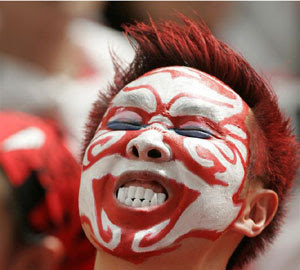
(124, 12)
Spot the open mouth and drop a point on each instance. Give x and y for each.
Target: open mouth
(131, 204)
(141, 189)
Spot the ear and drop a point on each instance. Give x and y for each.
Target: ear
(261, 206)
(45, 255)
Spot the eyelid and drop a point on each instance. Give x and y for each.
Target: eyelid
(194, 133)
(202, 126)
(197, 129)
(117, 125)
(133, 123)
(126, 116)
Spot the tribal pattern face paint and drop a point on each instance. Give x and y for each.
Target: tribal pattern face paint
(168, 161)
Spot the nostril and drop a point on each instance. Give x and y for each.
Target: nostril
(154, 153)
(135, 151)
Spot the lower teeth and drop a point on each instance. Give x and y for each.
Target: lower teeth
(140, 197)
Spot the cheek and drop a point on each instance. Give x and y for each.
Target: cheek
(211, 160)
(106, 143)
(221, 173)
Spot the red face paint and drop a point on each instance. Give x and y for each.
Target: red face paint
(180, 134)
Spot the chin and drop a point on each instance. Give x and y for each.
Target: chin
(136, 211)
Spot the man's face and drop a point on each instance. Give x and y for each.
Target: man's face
(168, 161)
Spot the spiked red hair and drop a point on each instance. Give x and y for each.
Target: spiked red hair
(192, 44)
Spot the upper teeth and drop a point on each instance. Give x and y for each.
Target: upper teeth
(139, 196)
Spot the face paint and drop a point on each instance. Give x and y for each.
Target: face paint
(168, 161)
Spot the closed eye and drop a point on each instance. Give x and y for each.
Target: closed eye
(117, 125)
(196, 133)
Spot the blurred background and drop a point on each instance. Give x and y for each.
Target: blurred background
(56, 56)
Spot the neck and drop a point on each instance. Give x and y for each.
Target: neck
(193, 254)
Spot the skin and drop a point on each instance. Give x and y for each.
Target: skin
(201, 253)
(203, 157)
(198, 126)
(205, 254)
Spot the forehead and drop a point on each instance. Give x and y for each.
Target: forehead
(170, 81)
(185, 91)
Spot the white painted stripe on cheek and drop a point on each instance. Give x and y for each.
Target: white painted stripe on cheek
(211, 147)
(226, 150)
(141, 98)
(190, 145)
(99, 133)
(231, 169)
(116, 231)
(240, 146)
(213, 209)
(85, 160)
(87, 202)
(139, 236)
(87, 207)
(236, 131)
(116, 136)
(233, 175)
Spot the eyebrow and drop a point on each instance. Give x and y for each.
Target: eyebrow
(141, 98)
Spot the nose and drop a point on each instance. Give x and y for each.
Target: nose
(149, 146)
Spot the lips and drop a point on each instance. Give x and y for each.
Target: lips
(105, 190)
(142, 189)
(120, 227)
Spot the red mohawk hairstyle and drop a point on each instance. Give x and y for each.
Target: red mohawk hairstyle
(192, 44)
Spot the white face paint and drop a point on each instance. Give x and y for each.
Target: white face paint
(168, 161)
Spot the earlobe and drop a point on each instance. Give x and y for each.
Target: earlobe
(259, 211)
